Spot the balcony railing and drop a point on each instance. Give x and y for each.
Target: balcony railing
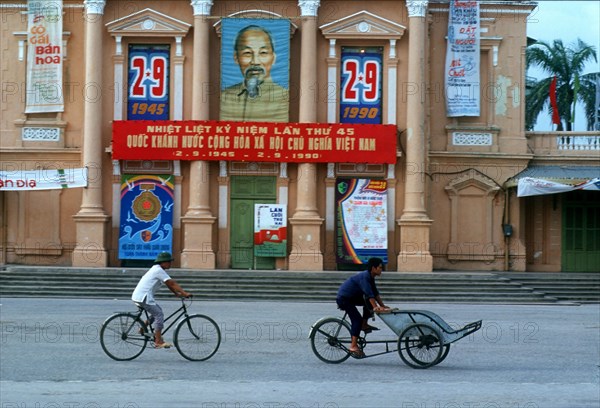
(564, 143)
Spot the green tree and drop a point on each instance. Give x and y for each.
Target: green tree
(572, 87)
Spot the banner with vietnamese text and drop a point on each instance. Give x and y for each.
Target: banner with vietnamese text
(44, 56)
(463, 60)
(257, 141)
(31, 180)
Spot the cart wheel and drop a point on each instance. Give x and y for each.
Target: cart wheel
(422, 345)
(445, 350)
(330, 340)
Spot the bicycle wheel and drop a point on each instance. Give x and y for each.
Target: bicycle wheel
(330, 340)
(197, 337)
(422, 345)
(123, 336)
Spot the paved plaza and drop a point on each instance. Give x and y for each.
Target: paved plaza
(524, 356)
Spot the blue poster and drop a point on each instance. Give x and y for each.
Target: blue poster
(146, 227)
(360, 93)
(148, 82)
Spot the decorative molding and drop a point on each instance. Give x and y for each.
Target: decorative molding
(472, 139)
(363, 25)
(255, 14)
(416, 8)
(40, 134)
(94, 6)
(202, 7)
(147, 23)
(308, 8)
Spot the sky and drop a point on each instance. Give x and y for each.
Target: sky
(568, 21)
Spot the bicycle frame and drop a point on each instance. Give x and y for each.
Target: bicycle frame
(180, 312)
(362, 342)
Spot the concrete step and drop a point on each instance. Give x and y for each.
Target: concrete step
(480, 287)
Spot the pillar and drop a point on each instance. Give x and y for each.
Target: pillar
(306, 224)
(92, 221)
(198, 221)
(414, 223)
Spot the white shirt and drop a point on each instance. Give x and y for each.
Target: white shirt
(149, 284)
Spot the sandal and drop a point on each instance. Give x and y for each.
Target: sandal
(162, 345)
(357, 353)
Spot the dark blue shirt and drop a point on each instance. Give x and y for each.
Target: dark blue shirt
(358, 285)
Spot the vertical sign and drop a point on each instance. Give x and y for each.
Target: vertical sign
(148, 95)
(270, 230)
(255, 65)
(361, 220)
(44, 57)
(462, 60)
(146, 227)
(360, 100)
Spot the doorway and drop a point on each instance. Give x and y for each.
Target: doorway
(581, 232)
(246, 191)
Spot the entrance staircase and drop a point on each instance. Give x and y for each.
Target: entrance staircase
(241, 285)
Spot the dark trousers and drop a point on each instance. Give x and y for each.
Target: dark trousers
(348, 305)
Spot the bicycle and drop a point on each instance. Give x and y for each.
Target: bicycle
(124, 335)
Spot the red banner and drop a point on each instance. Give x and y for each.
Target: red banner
(254, 141)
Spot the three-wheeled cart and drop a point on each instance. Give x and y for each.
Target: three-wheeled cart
(424, 338)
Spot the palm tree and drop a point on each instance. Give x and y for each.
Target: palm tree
(572, 87)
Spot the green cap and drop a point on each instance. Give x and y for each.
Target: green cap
(163, 257)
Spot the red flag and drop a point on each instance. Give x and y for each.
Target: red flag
(555, 115)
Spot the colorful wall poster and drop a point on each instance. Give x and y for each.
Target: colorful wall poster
(255, 66)
(146, 227)
(360, 94)
(361, 220)
(148, 82)
(270, 230)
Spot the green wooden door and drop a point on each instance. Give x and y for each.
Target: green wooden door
(245, 192)
(581, 232)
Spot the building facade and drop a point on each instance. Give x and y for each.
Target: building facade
(450, 199)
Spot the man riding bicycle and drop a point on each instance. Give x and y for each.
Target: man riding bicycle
(143, 295)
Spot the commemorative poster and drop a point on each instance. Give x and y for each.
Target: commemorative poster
(146, 227)
(361, 220)
(462, 66)
(255, 65)
(270, 230)
(148, 82)
(360, 94)
(44, 57)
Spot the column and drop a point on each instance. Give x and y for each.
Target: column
(306, 224)
(415, 223)
(92, 221)
(198, 221)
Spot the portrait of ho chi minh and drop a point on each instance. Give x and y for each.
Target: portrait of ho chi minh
(255, 82)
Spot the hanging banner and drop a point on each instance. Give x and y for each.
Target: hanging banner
(148, 96)
(360, 99)
(44, 56)
(462, 75)
(146, 227)
(361, 220)
(529, 186)
(270, 230)
(33, 180)
(258, 142)
(255, 66)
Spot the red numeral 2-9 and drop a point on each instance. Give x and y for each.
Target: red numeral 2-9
(366, 75)
(152, 77)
